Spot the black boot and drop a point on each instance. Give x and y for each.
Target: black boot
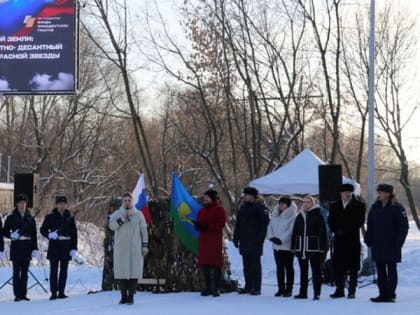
(206, 276)
(130, 299)
(339, 293)
(123, 289)
(216, 275)
(132, 288)
(61, 295)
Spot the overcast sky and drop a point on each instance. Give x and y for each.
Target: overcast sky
(170, 12)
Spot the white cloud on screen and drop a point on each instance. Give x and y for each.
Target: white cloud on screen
(4, 85)
(44, 82)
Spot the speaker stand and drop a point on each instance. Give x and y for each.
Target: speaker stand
(37, 282)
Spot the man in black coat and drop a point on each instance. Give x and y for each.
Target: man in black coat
(387, 229)
(250, 230)
(20, 227)
(1, 240)
(345, 219)
(60, 228)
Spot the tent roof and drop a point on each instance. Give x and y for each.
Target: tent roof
(298, 176)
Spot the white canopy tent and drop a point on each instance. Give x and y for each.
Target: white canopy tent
(297, 177)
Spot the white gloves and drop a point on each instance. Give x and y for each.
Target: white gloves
(73, 254)
(1, 255)
(15, 235)
(144, 251)
(53, 235)
(35, 254)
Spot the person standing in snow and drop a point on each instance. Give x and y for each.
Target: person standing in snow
(346, 217)
(130, 246)
(20, 227)
(310, 243)
(60, 229)
(249, 235)
(279, 232)
(387, 229)
(1, 240)
(210, 222)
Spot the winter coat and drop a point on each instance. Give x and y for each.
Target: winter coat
(210, 241)
(281, 226)
(21, 249)
(129, 239)
(345, 223)
(309, 233)
(65, 226)
(1, 237)
(251, 228)
(387, 229)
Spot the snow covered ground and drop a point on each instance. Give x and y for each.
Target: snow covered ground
(83, 279)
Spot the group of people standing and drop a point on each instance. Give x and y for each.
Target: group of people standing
(58, 227)
(304, 234)
(293, 233)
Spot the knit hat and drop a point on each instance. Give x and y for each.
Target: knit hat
(346, 187)
(212, 194)
(21, 197)
(60, 199)
(251, 191)
(385, 188)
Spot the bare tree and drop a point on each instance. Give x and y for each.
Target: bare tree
(396, 48)
(112, 19)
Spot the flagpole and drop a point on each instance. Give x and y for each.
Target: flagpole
(371, 104)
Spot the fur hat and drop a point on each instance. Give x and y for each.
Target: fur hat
(212, 194)
(346, 187)
(385, 188)
(251, 191)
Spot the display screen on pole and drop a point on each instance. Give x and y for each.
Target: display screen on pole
(38, 47)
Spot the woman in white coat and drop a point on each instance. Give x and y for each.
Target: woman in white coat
(130, 246)
(279, 232)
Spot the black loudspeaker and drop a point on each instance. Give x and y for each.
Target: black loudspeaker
(28, 184)
(330, 179)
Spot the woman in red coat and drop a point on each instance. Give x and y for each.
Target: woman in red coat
(210, 222)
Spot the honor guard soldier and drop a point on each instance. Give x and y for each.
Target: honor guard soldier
(20, 227)
(60, 228)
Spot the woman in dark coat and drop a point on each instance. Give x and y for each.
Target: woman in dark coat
(210, 222)
(309, 242)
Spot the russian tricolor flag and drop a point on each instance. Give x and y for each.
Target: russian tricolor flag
(140, 195)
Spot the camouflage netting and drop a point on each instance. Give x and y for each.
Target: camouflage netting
(168, 259)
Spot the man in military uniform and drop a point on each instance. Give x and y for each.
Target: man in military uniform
(20, 227)
(60, 228)
(387, 229)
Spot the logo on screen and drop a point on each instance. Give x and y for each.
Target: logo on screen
(29, 21)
